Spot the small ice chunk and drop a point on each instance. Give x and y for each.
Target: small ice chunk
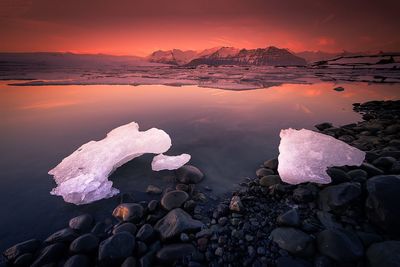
(82, 176)
(305, 156)
(164, 162)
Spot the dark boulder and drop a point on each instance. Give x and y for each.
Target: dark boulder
(340, 245)
(336, 196)
(303, 195)
(125, 227)
(270, 180)
(176, 222)
(86, 243)
(293, 240)
(129, 262)
(82, 223)
(29, 246)
(174, 199)
(189, 174)
(264, 172)
(271, 164)
(77, 261)
(289, 218)
(323, 126)
(382, 202)
(50, 255)
(146, 233)
(371, 169)
(65, 235)
(24, 260)
(128, 212)
(338, 176)
(358, 175)
(115, 249)
(174, 252)
(384, 254)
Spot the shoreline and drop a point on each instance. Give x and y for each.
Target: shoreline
(264, 223)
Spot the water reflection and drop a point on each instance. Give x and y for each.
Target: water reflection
(228, 134)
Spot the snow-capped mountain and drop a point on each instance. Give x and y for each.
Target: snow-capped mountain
(270, 56)
(174, 57)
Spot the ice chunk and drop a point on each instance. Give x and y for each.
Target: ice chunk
(164, 162)
(82, 176)
(305, 156)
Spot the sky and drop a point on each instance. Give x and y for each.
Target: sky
(132, 27)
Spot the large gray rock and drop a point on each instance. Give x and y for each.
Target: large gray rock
(371, 169)
(382, 204)
(264, 172)
(128, 212)
(176, 222)
(125, 227)
(77, 261)
(174, 199)
(65, 235)
(145, 233)
(116, 248)
(50, 255)
(129, 262)
(323, 126)
(338, 175)
(271, 164)
(86, 243)
(384, 254)
(340, 245)
(336, 196)
(173, 252)
(29, 246)
(189, 174)
(82, 223)
(358, 175)
(293, 240)
(289, 218)
(269, 180)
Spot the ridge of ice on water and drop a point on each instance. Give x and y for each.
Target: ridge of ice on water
(305, 155)
(164, 162)
(82, 176)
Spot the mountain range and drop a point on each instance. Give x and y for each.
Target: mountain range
(270, 56)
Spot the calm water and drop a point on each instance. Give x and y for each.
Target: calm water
(228, 134)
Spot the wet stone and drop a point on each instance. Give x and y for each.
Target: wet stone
(82, 223)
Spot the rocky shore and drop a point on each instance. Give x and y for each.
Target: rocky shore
(354, 221)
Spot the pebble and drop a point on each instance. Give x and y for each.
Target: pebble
(189, 174)
(82, 223)
(174, 199)
(128, 212)
(86, 243)
(236, 204)
(125, 227)
(145, 233)
(115, 249)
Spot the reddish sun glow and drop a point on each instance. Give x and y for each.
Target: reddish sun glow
(140, 27)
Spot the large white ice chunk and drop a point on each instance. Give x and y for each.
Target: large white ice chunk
(164, 162)
(305, 156)
(82, 177)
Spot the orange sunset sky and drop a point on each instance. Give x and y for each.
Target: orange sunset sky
(129, 27)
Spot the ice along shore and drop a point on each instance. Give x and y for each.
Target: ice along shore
(352, 221)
